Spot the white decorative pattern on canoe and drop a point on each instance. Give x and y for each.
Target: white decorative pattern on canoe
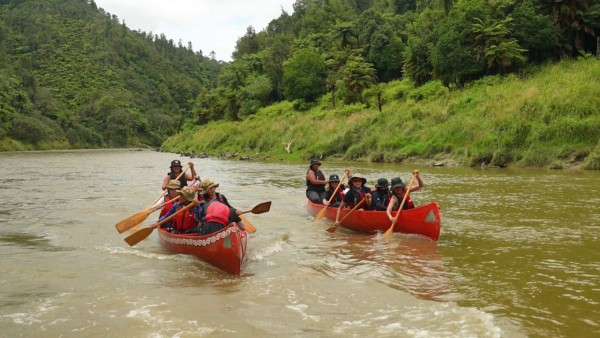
(198, 242)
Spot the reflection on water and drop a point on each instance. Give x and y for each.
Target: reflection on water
(518, 255)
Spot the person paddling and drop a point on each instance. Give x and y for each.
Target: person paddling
(398, 191)
(176, 170)
(381, 196)
(209, 193)
(172, 193)
(355, 194)
(334, 181)
(185, 220)
(315, 182)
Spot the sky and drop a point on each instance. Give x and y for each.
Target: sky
(211, 25)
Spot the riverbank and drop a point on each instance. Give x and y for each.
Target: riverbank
(547, 118)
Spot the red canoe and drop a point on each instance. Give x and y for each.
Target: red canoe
(224, 249)
(424, 220)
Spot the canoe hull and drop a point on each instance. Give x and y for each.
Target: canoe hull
(224, 249)
(424, 220)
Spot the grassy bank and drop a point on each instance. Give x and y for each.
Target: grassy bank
(549, 117)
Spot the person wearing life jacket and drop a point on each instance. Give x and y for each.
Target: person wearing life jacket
(355, 194)
(209, 193)
(398, 191)
(334, 181)
(185, 220)
(217, 215)
(171, 194)
(382, 195)
(176, 170)
(315, 182)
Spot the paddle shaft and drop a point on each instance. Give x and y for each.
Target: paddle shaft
(390, 231)
(164, 192)
(356, 207)
(177, 212)
(162, 205)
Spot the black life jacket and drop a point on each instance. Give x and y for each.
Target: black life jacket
(407, 205)
(385, 198)
(182, 180)
(316, 187)
(357, 198)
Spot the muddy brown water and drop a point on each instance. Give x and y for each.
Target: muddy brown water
(518, 255)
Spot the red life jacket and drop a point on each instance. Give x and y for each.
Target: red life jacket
(184, 220)
(208, 199)
(408, 202)
(217, 212)
(167, 206)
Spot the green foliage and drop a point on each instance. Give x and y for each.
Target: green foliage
(550, 117)
(304, 76)
(73, 75)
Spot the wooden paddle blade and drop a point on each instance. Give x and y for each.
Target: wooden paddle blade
(138, 236)
(262, 208)
(332, 229)
(132, 221)
(389, 232)
(320, 215)
(251, 229)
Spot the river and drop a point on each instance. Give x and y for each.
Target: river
(518, 255)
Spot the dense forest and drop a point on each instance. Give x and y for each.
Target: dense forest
(335, 49)
(73, 75)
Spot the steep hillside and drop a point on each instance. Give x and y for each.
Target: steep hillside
(73, 75)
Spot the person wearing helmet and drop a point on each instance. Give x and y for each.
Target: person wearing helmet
(357, 192)
(185, 220)
(315, 182)
(176, 170)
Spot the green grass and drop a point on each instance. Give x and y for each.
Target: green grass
(537, 120)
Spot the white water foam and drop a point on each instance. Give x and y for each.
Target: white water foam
(261, 254)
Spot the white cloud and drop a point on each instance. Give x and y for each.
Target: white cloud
(209, 25)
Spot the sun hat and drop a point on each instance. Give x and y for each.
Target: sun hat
(207, 184)
(314, 161)
(382, 182)
(397, 182)
(334, 178)
(357, 175)
(175, 163)
(173, 184)
(187, 193)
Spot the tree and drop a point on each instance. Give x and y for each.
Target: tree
(358, 75)
(344, 31)
(304, 76)
(492, 42)
(422, 38)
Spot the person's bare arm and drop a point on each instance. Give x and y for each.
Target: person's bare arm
(421, 185)
(339, 211)
(166, 182)
(389, 210)
(313, 179)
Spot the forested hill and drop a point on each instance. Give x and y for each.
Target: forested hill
(73, 75)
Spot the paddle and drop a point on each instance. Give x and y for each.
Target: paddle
(323, 211)
(259, 209)
(140, 235)
(249, 227)
(391, 229)
(333, 228)
(136, 220)
(127, 224)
